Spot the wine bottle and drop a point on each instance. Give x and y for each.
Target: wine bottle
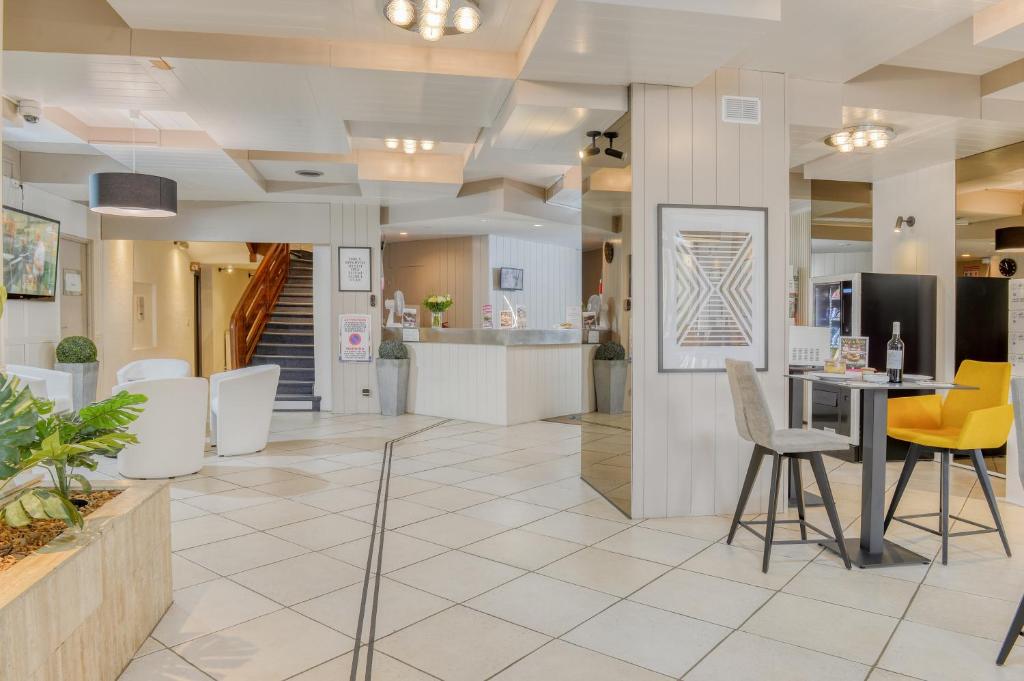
(894, 355)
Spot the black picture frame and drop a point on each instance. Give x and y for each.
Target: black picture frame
(342, 251)
(514, 272)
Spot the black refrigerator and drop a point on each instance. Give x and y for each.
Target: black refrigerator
(867, 304)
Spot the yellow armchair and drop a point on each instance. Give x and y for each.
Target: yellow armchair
(967, 421)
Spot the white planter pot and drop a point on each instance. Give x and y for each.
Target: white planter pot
(83, 388)
(610, 385)
(392, 385)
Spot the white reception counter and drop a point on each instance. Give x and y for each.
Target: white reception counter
(497, 376)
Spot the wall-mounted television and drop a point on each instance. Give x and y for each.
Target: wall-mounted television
(30, 254)
(510, 279)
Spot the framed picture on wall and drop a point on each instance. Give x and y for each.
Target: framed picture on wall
(355, 270)
(712, 287)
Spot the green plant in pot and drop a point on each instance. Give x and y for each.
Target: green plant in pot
(610, 370)
(77, 356)
(32, 437)
(392, 377)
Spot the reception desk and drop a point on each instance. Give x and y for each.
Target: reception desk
(497, 376)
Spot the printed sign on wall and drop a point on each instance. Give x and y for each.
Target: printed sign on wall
(354, 268)
(354, 333)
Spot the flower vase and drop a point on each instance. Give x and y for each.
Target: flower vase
(435, 320)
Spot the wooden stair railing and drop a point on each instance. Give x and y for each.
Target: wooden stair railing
(258, 300)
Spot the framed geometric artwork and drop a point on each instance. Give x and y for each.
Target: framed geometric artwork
(712, 287)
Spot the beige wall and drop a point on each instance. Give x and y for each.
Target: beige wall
(927, 248)
(422, 268)
(687, 456)
(166, 268)
(220, 293)
(592, 266)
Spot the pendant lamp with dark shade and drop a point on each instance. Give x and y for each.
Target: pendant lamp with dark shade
(133, 195)
(1010, 239)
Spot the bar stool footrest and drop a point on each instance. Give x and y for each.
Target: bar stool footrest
(746, 524)
(907, 520)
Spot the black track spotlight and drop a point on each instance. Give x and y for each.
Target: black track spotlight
(611, 150)
(593, 149)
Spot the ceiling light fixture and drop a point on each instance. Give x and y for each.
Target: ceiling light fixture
(593, 149)
(427, 145)
(391, 143)
(611, 150)
(133, 194)
(860, 137)
(434, 19)
(409, 146)
(1010, 239)
(309, 173)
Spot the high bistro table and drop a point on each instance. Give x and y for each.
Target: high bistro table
(871, 549)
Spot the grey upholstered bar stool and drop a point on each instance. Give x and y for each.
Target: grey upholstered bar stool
(755, 424)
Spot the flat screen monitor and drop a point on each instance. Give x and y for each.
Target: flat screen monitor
(511, 279)
(30, 254)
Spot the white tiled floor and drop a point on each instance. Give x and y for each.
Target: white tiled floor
(500, 564)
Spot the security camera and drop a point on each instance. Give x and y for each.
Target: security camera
(30, 110)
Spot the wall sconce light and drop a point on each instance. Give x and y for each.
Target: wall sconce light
(593, 149)
(611, 150)
(909, 221)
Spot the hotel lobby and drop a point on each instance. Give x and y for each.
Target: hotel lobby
(524, 340)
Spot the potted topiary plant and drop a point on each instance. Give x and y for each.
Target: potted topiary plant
(77, 356)
(392, 377)
(610, 367)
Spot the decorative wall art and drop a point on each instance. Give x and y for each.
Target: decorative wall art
(713, 283)
(355, 270)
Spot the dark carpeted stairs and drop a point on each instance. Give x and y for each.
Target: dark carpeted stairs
(287, 339)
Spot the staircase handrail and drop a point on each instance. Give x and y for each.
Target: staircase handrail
(256, 304)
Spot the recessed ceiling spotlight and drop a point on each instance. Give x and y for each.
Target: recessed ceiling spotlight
(965, 255)
(309, 173)
(861, 136)
(403, 234)
(391, 143)
(538, 225)
(427, 145)
(409, 146)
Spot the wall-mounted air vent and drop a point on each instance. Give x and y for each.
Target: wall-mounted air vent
(741, 110)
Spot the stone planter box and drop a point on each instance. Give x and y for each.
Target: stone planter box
(78, 609)
(83, 382)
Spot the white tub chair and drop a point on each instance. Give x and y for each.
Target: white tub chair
(46, 383)
(171, 430)
(143, 369)
(241, 404)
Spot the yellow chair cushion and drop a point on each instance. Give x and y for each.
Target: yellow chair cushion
(966, 419)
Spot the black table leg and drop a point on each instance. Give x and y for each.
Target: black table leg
(872, 549)
(796, 420)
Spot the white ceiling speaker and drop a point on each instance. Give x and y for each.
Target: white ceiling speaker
(745, 110)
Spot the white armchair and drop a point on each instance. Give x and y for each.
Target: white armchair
(46, 383)
(241, 404)
(171, 430)
(143, 369)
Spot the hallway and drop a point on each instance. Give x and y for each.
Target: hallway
(498, 562)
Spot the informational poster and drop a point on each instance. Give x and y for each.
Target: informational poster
(1016, 330)
(853, 351)
(520, 317)
(508, 320)
(354, 333)
(354, 268)
(573, 316)
(411, 318)
(487, 316)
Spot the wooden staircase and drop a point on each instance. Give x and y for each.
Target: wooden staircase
(285, 336)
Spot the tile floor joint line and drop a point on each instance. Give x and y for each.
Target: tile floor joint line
(383, 485)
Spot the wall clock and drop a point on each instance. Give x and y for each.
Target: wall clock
(1007, 267)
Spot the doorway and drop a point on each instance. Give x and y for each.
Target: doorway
(75, 285)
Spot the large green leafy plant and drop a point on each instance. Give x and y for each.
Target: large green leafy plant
(33, 436)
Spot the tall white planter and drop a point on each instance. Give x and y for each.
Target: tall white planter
(83, 382)
(392, 385)
(610, 385)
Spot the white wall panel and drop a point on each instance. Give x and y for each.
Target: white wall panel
(823, 264)
(552, 279)
(687, 457)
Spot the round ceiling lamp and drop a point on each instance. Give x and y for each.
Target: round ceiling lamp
(1010, 239)
(860, 137)
(434, 19)
(133, 194)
